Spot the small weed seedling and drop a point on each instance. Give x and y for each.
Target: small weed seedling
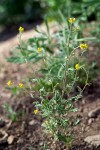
(11, 114)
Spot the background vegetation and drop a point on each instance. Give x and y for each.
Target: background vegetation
(16, 11)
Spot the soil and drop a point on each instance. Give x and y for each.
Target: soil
(27, 131)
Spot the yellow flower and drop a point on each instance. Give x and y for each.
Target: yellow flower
(9, 83)
(46, 122)
(83, 46)
(21, 85)
(72, 20)
(39, 50)
(44, 60)
(77, 66)
(76, 28)
(21, 29)
(36, 111)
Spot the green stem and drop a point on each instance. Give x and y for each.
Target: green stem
(66, 62)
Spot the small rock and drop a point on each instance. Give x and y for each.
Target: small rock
(93, 140)
(41, 143)
(20, 141)
(29, 135)
(32, 122)
(94, 113)
(90, 121)
(10, 139)
(2, 123)
(83, 101)
(87, 128)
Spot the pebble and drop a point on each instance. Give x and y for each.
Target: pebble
(29, 135)
(93, 140)
(20, 141)
(83, 101)
(90, 121)
(32, 122)
(41, 143)
(10, 139)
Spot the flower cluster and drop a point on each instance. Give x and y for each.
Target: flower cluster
(21, 85)
(21, 29)
(77, 66)
(76, 28)
(83, 46)
(72, 20)
(39, 50)
(9, 83)
(36, 111)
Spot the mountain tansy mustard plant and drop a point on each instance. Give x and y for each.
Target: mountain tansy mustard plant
(57, 77)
